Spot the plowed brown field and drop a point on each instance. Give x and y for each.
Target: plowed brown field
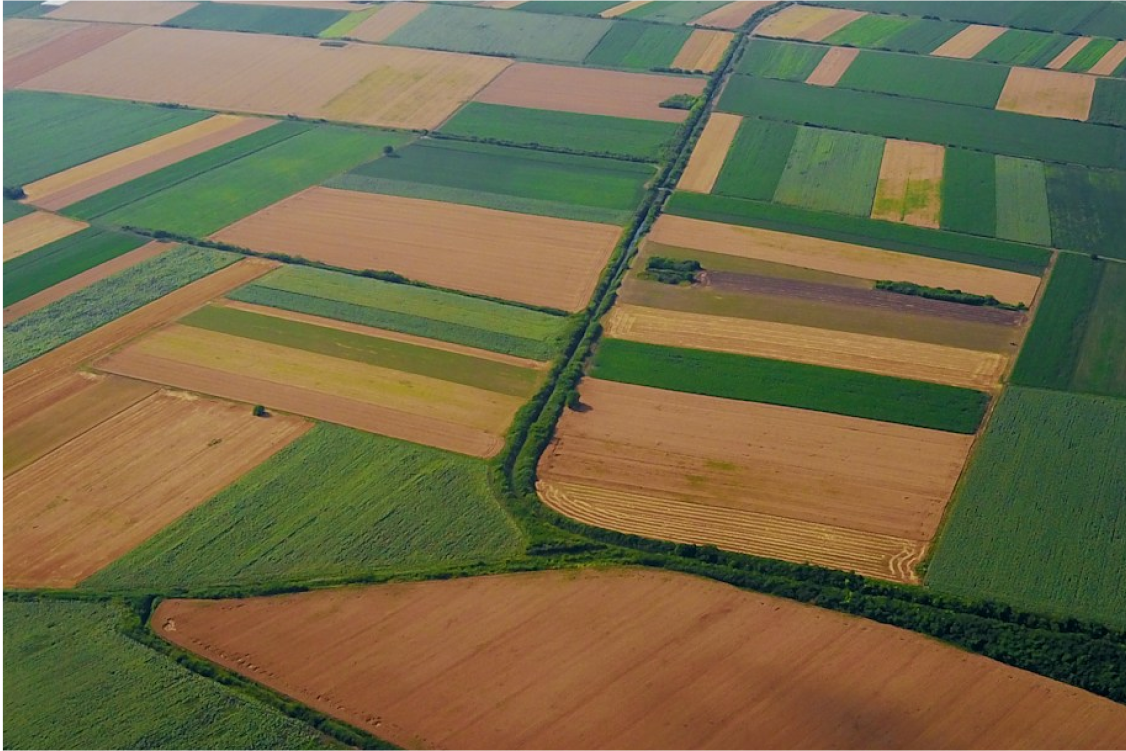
(732, 15)
(150, 12)
(969, 41)
(836, 61)
(386, 21)
(101, 494)
(806, 22)
(1109, 62)
(58, 51)
(627, 659)
(710, 153)
(35, 230)
(910, 186)
(531, 259)
(1069, 52)
(840, 491)
(594, 92)
(22, 35)
(1048, 93)
(703, 50)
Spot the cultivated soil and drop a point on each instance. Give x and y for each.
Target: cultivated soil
(1069, 52)
(35, 230)
(1048, 93)
(386, 21)
(806, 22)
(1109, 62)
(710, 153)
(703, 50)
(836, 61)
(732, 15)
(969, 41)
(22, 35)
(618, 10)
(909, 189)
(150, 12)
(60, 50)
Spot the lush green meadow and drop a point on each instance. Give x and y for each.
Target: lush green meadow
(1032, 49)
(106, 300)
(832, 170)
(969, 182)
(756, 159)
(1109, 103)
(263, 18)
(843, 392)
(47, 133)
(435, 314)
(639, 45)
(1087, 209)
(873, 30)
(1022, 201)
(773, 58)
(600, 134)
(937, 79)
(385, 353)
(335, 503)
(73, 680)
(1048, 533)
(55, 262)
(673, 12)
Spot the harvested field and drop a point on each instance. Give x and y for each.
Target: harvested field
(618, 10)
(910, 185)
(1069, 52)
(842, 258)
(835, 349)
(61, 50)
(461, 247)
(829, 71)
(35, 230)
(357, 83)
(614, 659)
(1107, 64)
(878, 490)
(386, 21)
(710, 153)
(22, 35)
(149, 13)
(500, 4)
(1048, 93)
(65, 188)
(82, 280)
(589, 91)
(703, 50)
(732, 15)
(969, 41)
(103, 493)
(806, 22)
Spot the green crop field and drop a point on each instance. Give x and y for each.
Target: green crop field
(969, 190)
(1032, 49)
(435, 314)
(385, 353)
(1048, 533)
(1109, 103)
(1009, 133)
(924, 36)
(73, 680)
(58, 261)
(1089, 55)
(873, 30)
(831, 170)
(15, 209)
(263, 19)
(772, 58)
(1086, 209)
(756, 160)
(1101, 365)
(372, 503)
(1080, 17)
(566, 7)
(937, 79)
(1022, 201)
(106, 300)
(208, 202)
(507, 32)
(349, 22)
(639, 45)
(673, 12)
(843, 392)
(599, 134)
(48, 133)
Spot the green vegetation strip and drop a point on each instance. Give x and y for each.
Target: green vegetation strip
(872, 30)
(1086, 208)
(1109, 102)
(1089, 55)
(385, 353)
(1022, 201)
(924, 36)
(80, 313)
(370, 503)
(676, 12)
(1047, 533)
(1031, 49)
(969, 192)
(58, 261)
(73, 680)
(774, 58)
(937, 79)
(260, 18)
(639, 45)
(15, 209)
(348, 23)
(843, 392)
(756, 160)
(830, 170)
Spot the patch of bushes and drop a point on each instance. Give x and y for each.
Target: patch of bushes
(679, 102)
(671, 271)
(947, 295)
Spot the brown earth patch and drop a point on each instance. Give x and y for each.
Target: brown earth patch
(703, 50)
(732, 15)
(532, 259)
(35, 230)
(590, 91)
(1109, 62)
(806, 22)
(1048, 93)
(618, 10)
(1069, 52)
(909, 189)
(836, 61)
(386, 21)
(98, 496)
(22, 35)
(969, 41)
(710, 153)
(149, 13)
(59, 51)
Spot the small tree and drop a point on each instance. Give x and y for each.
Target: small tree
(259, 411)
(388, 150)
(14, 192)
(573, 401)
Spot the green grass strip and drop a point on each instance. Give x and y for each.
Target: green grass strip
(58, 261)
(1089, 55)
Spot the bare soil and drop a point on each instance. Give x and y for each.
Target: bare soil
(1048, 93)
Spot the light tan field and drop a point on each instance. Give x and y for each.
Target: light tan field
(842, 258)
(150, 12)
(532, 259)
(319, 4)
(910, 186)
(710, 153)
(836, 61)
(1109, 62)
(500, 4)
(1069, 52)
(788, 483)
(618, 10)
(590, 91)
(835, 349)
(703, 50)
(104, 492)
(70, 186)
(22, 35)
(277, 75)
(732, 15)
(35, 230)
(627, 658)
(969, 41)
(83, 280)
(1048, 93)
(386, 21)
(61, 50)
(806, 22)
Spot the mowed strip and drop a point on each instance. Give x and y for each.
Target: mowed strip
(909, 189)
(35, 230)
(532, 259)
(829, 71)
(64, 188)
(1109, 62)
(842, 258)
(969, 41)
(703, 50)
(1048, 93)
(732, 15)
(806, 22)
(101, 494)
(59, 50)
(780, 341)
(710, 153)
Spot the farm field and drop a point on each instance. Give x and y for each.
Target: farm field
(1077, 18)
(45, 49)
(933, 78)
(1033, 49)
(831, 171)
(829, 71)
(639, 45)
(710, 153)
(672, 12)
(806, 22)
(58, 261)
(770, 58)
(1048, 93)
(910, 183)
(873, 30)
(1049, 535)
(36, 229)
(1107, 105)
(732, 15)
(766, 145)
(1022, 201)
(969, 179)
(703, 51)
(1084, 206)
(109, 11)
(385, 21)
(257, 17)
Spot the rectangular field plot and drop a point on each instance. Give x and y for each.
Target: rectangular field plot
(806, 22)
(1086, 209)
(921, 77)
(732, 15)
(1048, 93)
(1109, 102)
(756, 159)
(910, 184)
(672, 12)
(78, 40)
(639, 45)
(969, 179)
(261, 18)
(968, 42)
(710, 153)
(1033, 49)
(834, 65)
(703, 51)
(35, 230)
(1022, 201)
(536, 260)
(1048, 535)
(111, 11)
(769, 58)
(831, 171)
(44, 267)
(767, 480)
(90, 501)
(872, 30)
